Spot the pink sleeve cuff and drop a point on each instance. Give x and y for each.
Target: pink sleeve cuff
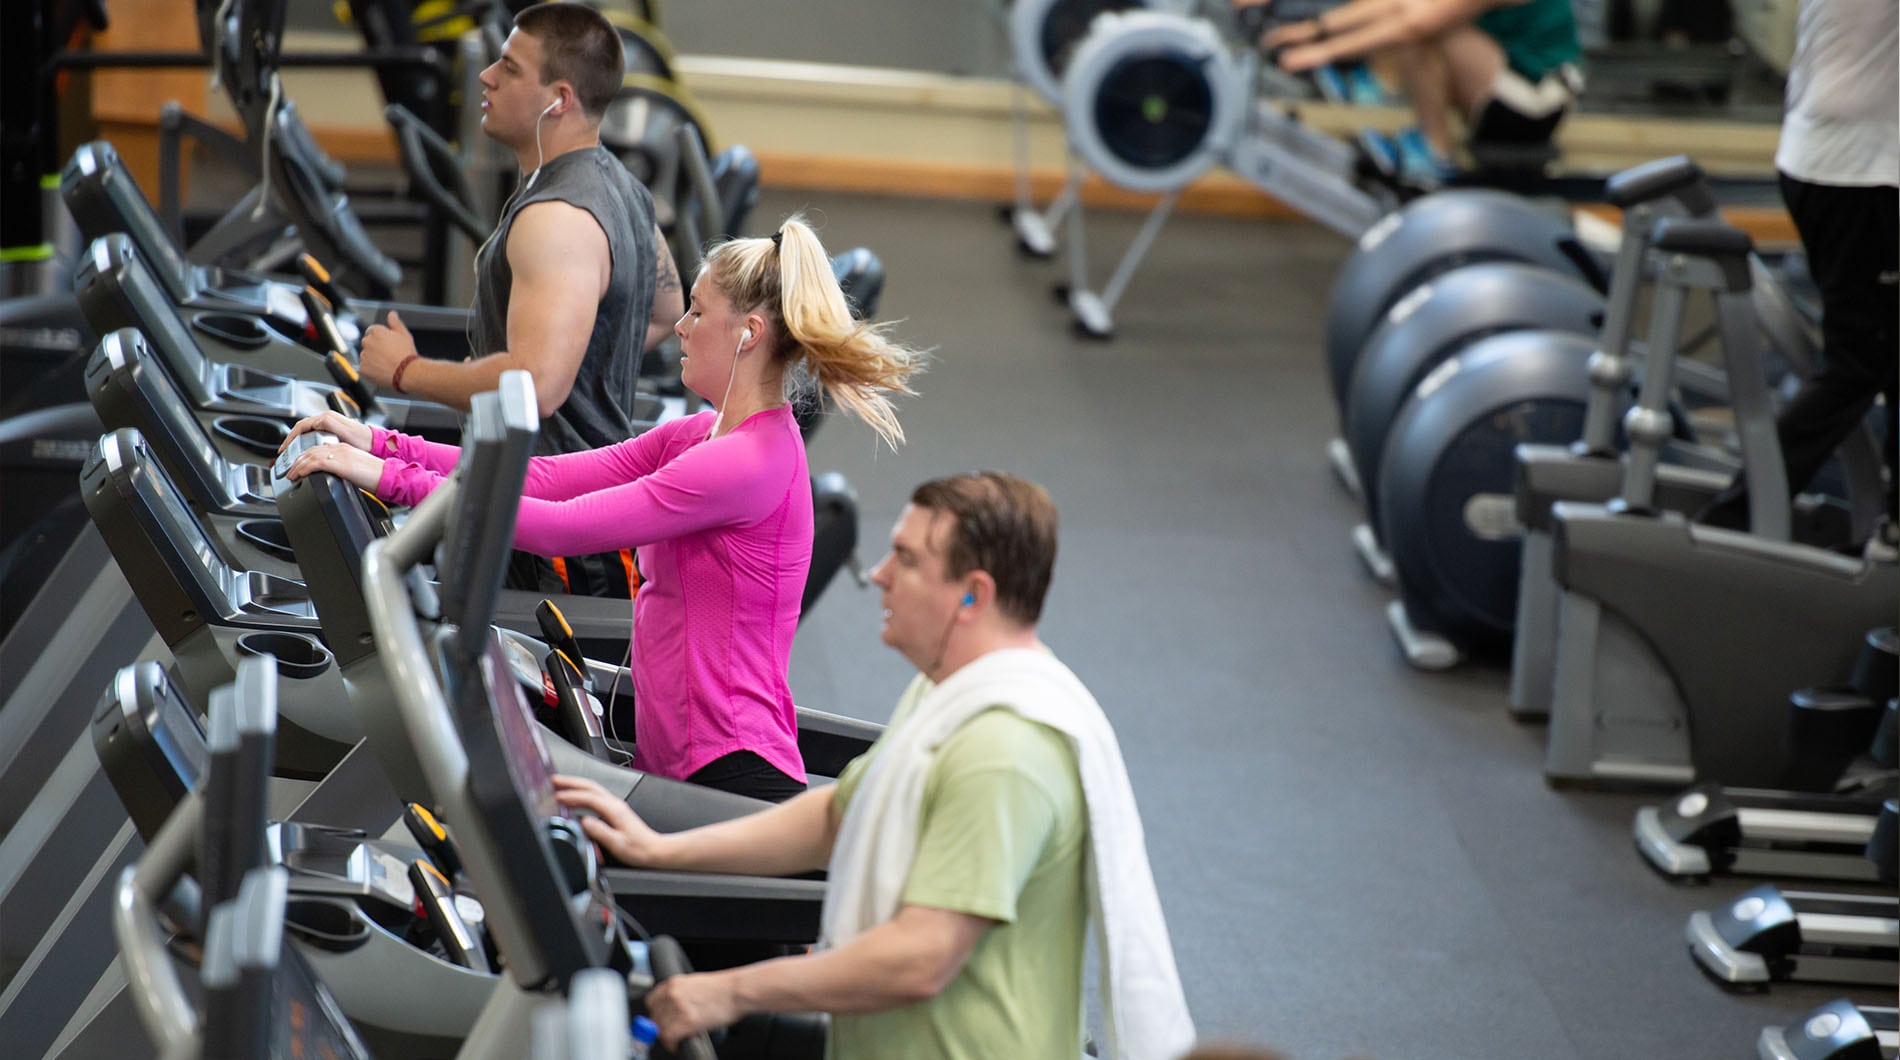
(384, 442)
(405, 483)
(434, 457)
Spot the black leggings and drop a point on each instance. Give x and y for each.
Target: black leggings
(1850, 234)
(745, 773)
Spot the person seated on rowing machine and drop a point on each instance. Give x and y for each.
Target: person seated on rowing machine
(718, 504)
(1507, 67)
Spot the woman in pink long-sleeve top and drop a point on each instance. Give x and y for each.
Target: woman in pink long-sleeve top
(718, 505)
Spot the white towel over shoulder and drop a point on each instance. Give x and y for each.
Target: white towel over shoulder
(1146, 1013)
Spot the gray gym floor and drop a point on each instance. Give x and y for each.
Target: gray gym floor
(1356, 859)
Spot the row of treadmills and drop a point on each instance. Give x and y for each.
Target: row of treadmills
(402, 697)
(498, 935)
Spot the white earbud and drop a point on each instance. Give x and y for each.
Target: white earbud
(746, 335)
(550, 107)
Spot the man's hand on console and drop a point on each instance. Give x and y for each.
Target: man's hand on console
(619, 831)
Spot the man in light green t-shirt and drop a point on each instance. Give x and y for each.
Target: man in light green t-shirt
(1003, 835)
(983, 958)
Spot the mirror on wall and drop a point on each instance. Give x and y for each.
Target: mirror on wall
(1719, 59)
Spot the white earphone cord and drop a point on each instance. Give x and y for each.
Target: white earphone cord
(475, 260)
(719, 414)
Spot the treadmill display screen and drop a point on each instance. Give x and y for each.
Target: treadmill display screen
(155, 315)
(169, 509)
(143, 226)
(307, 1020)
(175, 416)
(511, 785)
(526, 756)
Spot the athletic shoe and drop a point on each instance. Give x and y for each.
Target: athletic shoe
(1364, 89)
(1380, 151)
(1419, 162)
(1331, 84)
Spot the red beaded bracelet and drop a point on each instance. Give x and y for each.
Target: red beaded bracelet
(395, 381)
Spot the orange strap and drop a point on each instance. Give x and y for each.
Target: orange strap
(627, 567)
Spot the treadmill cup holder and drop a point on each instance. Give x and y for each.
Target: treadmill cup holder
(333, 926)
(269, 536)
(298, 657)
(255, 434)
(239, 332)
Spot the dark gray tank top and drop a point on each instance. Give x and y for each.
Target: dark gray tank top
(598, 411)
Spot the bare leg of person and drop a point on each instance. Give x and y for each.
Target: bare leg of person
(1472, 63)
(1427, 80)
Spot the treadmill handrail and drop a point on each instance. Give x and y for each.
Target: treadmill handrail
(419, 700)
(164, 1009)
(423, 709)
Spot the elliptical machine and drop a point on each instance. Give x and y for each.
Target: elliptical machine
(1445, 508)
(1590, 468)
(1430, 325)
(1648, 688)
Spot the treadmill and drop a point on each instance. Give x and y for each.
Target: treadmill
(211, 611)
(104, 198)
(259, 996)
(257, 322)
(1677, 641)
(220, 468)
(234, 494)
(225, 362)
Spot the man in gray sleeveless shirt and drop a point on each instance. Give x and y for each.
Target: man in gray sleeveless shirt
(575, 283)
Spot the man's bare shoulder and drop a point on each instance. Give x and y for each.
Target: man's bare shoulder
(552, 231)
(552, 215)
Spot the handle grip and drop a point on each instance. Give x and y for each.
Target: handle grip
(560, 636)
(437, 901)
(669, 960)
(432, 838)
(317, 276)
(574, 709)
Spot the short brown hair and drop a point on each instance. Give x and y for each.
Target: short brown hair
(1004, 526)
(579, 46)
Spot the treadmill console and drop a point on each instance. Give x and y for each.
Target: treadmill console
(550, 862)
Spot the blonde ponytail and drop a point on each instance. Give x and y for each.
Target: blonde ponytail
(854, 362)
